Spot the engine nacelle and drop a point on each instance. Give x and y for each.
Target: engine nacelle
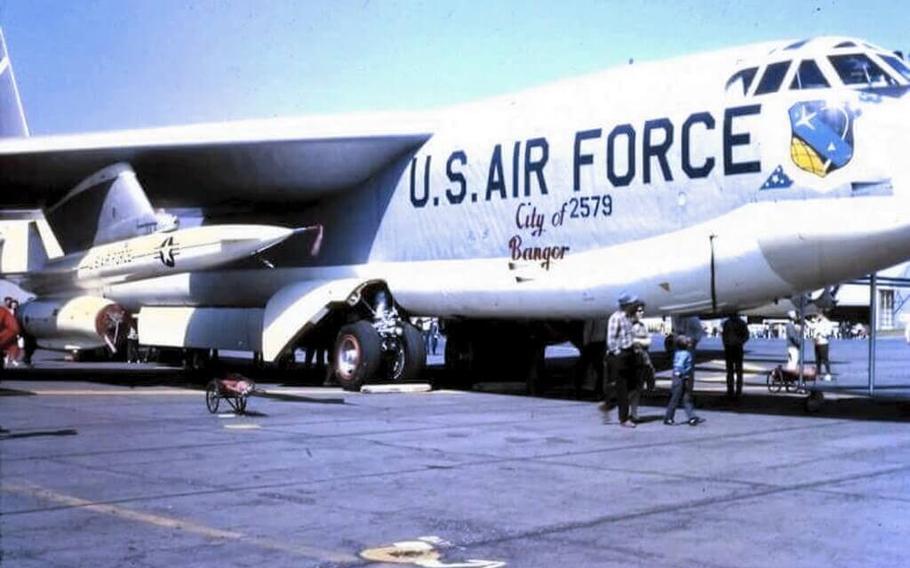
(83, 322)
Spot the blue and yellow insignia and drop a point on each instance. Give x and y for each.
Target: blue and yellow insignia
(822, 136)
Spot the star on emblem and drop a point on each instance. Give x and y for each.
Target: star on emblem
(166, 252)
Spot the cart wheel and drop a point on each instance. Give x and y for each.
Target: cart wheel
(774, 384)
(211, 397)
(815, 401)
(790, 386)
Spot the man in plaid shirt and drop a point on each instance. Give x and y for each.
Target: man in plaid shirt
(621, 360)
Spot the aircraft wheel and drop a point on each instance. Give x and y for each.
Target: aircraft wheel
(411, 358)
(356, 356)
(211, 397)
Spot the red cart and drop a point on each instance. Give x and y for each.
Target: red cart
(234, 388)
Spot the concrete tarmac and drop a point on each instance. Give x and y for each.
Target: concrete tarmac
(122, 472)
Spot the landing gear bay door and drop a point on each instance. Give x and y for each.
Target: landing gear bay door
(298, 306)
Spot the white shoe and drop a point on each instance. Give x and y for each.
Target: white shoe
(827, 377)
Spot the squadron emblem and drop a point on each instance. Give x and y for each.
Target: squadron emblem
(822, 136)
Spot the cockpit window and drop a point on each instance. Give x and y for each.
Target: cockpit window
(858, 69)
(809, 76)
(897, 65)
(797, 44)
(773, 77)
(846, 44)
(745, 77)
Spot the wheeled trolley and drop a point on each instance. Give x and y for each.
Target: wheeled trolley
(783, 378)
(233, 388)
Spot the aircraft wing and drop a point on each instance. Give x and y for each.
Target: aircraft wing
(212, 165)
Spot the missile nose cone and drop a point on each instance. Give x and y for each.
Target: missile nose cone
(269, 236)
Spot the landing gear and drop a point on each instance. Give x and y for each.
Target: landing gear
(408, 353)
(357, 355)
(388, 348)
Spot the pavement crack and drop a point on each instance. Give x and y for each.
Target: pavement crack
(544, 532)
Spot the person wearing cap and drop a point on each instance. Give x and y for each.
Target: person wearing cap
(621, 357)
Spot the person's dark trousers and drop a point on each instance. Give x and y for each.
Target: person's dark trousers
(622, 374)
(31, 344)
(592, 357)
(681, 389)
(821, 358)
(132, 351)
(734, 358)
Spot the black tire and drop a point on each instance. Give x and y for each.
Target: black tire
(211, 397)
(356, 355)
(412, 357)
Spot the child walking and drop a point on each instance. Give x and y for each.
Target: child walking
(683, 383)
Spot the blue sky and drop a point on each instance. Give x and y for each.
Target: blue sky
(107, 64)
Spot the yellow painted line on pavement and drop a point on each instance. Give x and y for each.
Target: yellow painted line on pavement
(174, 523)
(124, 392)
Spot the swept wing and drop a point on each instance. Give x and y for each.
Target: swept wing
(211, 165)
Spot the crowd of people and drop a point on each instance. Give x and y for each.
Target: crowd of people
(624, 343)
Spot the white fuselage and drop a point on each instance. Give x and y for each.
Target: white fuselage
(652, 179)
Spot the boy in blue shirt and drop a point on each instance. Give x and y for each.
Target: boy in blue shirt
(683, 383)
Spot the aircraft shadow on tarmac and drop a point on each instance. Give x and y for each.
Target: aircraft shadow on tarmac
(755, 400)
(11, 435)
(558, 384)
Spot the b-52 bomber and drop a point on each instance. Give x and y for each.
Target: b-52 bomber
(706, 184)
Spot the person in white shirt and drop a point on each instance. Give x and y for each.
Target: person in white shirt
(821, 332)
